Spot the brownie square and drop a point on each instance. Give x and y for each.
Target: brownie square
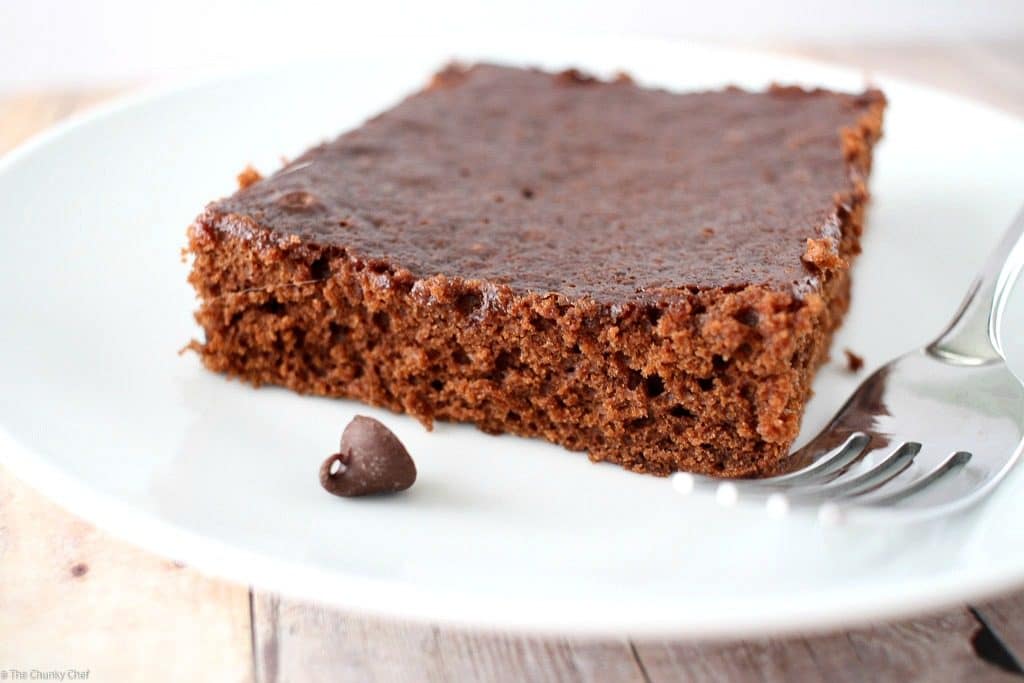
(650, 277)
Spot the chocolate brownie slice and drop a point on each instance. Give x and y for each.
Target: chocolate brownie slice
(649, 277)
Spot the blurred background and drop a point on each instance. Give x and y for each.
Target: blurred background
(63, 43)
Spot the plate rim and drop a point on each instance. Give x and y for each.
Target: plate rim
(400, 599)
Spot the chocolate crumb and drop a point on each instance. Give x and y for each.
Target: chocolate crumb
(451, 75)
(823, 255)
(79, 570)
(853, 362)
(574, 77)
(248, 176)
(371, 460)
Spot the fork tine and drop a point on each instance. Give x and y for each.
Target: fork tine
(948, 466)
(828, 464)
(892, 465)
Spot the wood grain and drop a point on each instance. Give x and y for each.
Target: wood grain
(297, 641)
(936, 649)
(1006, 620)
(24, 114)
(70, 596)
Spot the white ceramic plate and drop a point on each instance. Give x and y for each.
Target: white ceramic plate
(100, 412)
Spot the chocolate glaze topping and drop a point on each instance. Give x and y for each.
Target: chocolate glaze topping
(563, 183)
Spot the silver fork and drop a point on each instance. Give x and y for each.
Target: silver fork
(930, 432)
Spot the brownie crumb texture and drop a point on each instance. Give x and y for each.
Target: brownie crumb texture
(648, 277)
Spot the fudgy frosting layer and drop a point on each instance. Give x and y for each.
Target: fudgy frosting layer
(561, 183)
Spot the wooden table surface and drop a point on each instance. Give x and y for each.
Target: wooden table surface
(71, 597)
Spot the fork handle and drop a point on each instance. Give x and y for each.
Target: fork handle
(973, 337)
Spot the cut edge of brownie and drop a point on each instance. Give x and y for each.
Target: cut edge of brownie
(712, 381)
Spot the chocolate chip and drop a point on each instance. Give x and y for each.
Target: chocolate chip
(853, 362)
(371, 460)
